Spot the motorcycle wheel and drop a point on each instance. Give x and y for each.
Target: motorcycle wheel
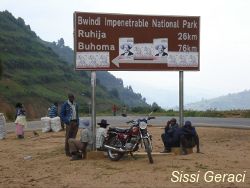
(114, 155)
(148, 150)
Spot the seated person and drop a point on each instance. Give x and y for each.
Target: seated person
(78, 148)
(53, 110)
(101, 132)
(189, 137)
(168, 136)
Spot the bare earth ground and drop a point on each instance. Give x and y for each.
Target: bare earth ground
(225, 151)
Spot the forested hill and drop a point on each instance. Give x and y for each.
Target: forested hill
(114, 85)
(37, 75)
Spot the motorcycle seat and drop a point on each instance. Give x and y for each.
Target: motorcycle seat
(118, 130)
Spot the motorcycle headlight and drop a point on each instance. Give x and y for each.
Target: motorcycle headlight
(135, 130)
(143, 125)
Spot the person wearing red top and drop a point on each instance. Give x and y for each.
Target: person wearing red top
(114, 109)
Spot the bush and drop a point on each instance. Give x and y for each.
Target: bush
(140, 109)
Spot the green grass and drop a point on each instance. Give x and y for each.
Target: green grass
(210, 113)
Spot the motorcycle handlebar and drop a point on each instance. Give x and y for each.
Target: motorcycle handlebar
(149, 118)
(133, 121)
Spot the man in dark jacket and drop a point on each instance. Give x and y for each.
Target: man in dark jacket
(69, 116)
(168, 135)
(189, 137)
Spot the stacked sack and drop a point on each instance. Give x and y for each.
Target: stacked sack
(2, 126)
(46, 124)
(55, 124)
(51, 124)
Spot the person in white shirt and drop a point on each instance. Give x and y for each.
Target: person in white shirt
(101, 133)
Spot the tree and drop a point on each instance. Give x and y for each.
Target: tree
(20, 21)
(156, 107)
(130, 88)
(60, 43)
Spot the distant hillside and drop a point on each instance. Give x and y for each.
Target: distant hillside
(234, 101)
(126, 94)
(36, 75)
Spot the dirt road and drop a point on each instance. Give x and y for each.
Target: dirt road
(40, 162)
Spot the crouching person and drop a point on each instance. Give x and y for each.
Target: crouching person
(168, 135)
(189, 138)
(78, 148)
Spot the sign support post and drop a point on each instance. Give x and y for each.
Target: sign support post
(181, 98)
(93, 103)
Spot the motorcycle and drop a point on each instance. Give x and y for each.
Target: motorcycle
(120, 141)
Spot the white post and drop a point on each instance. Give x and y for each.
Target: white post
(93, 102)
(181, 99)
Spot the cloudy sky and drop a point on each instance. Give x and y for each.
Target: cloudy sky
(224, 41)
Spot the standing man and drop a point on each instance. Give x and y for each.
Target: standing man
(69, 116)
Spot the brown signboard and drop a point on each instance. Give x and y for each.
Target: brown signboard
(136, 42)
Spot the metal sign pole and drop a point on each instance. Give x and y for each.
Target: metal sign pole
(93, 102)
(181, 98)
